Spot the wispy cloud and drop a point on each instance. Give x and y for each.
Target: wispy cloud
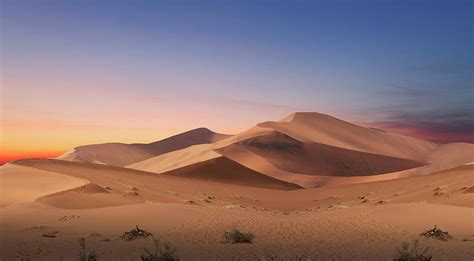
(434, 113)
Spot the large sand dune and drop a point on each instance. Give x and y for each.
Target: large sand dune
(120, 154)
(313, 158)
(321, 128)
(315, 150)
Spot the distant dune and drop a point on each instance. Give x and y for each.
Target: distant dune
(315, 150)
(120, 154)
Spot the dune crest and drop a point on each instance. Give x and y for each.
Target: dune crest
(120, 154)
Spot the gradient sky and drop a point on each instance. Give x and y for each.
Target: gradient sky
(82, 71)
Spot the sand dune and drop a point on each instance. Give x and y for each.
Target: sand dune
(119, 154)
(177, 159)
(323, 147)
(22, 184)
(177, 188)
(224, 170)
(324, 129)
(313, 158)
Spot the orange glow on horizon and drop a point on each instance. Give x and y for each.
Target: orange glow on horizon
(6, 156)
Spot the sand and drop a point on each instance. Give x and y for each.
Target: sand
(22, 184)
(323, 223)
(308, 185)
(120, 154)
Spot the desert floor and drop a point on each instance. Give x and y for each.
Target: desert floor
(352, 222)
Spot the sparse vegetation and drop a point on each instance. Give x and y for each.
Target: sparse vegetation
(84, 255)
(412, 252)
(135, 233)
(437, 234)
(161, 252)
(234, 236)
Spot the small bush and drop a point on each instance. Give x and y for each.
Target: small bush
(412, 252)
(437, 234)
(83, 254)
(234, 236)
(135, 233)
(161, 252)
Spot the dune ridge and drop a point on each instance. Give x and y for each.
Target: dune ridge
(120, 154)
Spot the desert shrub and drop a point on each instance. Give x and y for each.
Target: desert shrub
(84, 255)
(135, 233)
(234, 236)
(412, 252)
(437, 234)
(161, 252)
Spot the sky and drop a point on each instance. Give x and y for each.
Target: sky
(81, 72)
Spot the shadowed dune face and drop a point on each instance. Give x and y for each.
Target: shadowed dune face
(119, 154)
(324, 129)
(224, 170)
(312, 158)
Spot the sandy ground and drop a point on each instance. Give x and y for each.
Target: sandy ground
(322, 223)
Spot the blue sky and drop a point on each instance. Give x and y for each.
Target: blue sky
(402, 65)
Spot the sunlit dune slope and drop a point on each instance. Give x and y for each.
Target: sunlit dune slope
(24, 184)
(119, 154)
